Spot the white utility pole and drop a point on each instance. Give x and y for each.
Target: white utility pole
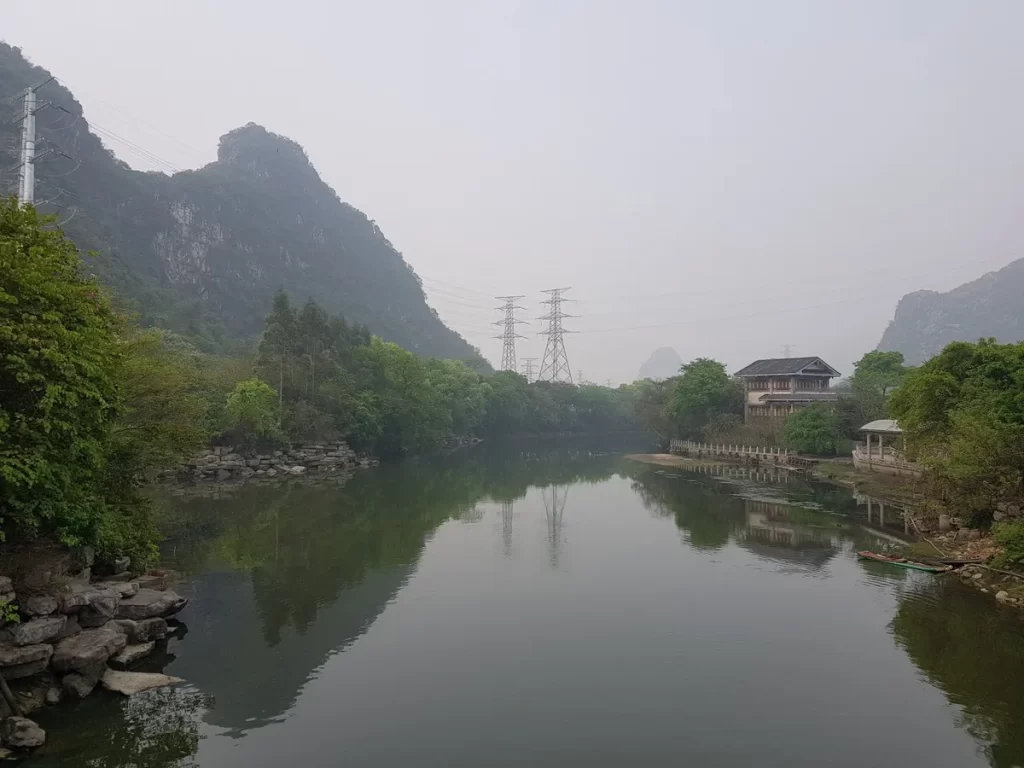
(27, 189)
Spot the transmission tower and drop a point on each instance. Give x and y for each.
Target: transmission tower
(554, 506)
(528, 365)
(555, 364)
(509, 335)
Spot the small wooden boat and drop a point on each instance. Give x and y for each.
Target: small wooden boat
(902, 562)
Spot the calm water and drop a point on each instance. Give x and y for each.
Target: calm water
(557, 609)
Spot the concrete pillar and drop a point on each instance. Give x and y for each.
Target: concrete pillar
(867, 444)
(881, 513)
(881, 447)
(869, 509)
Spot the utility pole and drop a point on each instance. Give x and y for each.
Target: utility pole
(27, 174)
(528, 364)
(509, 335)
(555, 364)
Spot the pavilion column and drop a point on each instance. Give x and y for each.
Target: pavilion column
(867, 444)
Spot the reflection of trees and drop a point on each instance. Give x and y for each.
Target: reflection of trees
(707, 516)
(156, 729)
(974, 655)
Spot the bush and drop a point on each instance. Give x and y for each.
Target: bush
(1009, 536)
(251, 410)
(815, 430)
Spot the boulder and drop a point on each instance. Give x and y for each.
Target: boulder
(38, 630)
(82, 558)
(252, 463)
(100, 609)
(88, 649)
(223, 474)
(296, 470)
(1002, 596)
(998, 516)
(15, 655)
(122, 588)
(22, 733)
(54, 695)
(39, 605)
(152, 581)
(152, 629)
(129, 683)
(72, 627)
(271, 472)
(131, 654)
(149, 602)
(78, 685)
(28, 669)
(1013, 510)
(121, 564)
(5, 585)
(944, 523)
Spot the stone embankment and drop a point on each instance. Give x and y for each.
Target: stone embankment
(73, 633)
(224, 463)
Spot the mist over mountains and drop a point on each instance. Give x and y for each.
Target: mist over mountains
(202, 252)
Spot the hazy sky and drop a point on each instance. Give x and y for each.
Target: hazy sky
(720, 177)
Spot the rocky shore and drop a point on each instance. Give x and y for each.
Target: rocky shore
(73, 632)
(223, 463)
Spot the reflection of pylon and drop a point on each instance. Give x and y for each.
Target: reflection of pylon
(555, 364)
(554, 505)
(507, 508)
(509, 335)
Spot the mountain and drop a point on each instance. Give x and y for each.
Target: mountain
(203, 251)
(926, 321)
(663, 363)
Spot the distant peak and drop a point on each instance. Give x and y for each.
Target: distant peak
(255, 147)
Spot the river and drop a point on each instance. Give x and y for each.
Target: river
(556, 607)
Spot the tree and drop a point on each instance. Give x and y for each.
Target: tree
(251, 412)
(702, 391)
(962, 413)
(876, 376)
(814, 429)
(58, 396)
(279, 347)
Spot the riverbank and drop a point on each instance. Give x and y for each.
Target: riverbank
(66, 632)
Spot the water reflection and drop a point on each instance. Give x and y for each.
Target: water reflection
(288, 578)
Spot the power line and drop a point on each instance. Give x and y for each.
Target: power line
(509, 335)
(555, 364)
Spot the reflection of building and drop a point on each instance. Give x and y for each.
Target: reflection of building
(882, 450)
(777, 387)
(771, 532)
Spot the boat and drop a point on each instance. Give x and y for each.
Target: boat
(902, 562)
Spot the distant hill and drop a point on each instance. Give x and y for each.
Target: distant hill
(663, 363)
(202, 252)
(926, 321)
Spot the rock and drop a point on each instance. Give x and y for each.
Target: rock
(5, 585)
(129, 683)
(118, 578)
(39, 605)
(120, 564)
(1002, 596)
(232, 457)
(998, 516)
(122, 589)
(1013, 510)
(972, 534)
(54, 695)
(5, 753)
(246, 472)
(28, 669)
(100, 609)
(252, 462)
(131, 654)
(152, 581)
(15, 655)
(87, 649)
(944, 524)
(149, 602)
(78, 685)
(976, 576)
(151, 629)
(296, 470)
(82, 558)
(271, 472)
(22, 733)
(223, 474)
(38, 630)
(72, 627)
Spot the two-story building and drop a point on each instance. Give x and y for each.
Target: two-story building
(776, 388)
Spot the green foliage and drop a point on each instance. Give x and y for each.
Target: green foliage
(876, 376)
(815, 430)
(652, 407)
(8, 613)
(1010, 536)
(702, 392)
(962, 413)
(251, 410)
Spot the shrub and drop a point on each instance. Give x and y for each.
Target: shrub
(1010, 536)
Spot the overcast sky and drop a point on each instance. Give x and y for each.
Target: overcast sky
(721, 177)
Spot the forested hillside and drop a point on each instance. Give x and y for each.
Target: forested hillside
(926, 321)
(202, 252)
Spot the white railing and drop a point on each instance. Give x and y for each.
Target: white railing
(762, 453)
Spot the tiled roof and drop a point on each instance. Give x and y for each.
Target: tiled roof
(782, 366)
(799, 397)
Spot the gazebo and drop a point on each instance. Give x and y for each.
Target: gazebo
(879, 453)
